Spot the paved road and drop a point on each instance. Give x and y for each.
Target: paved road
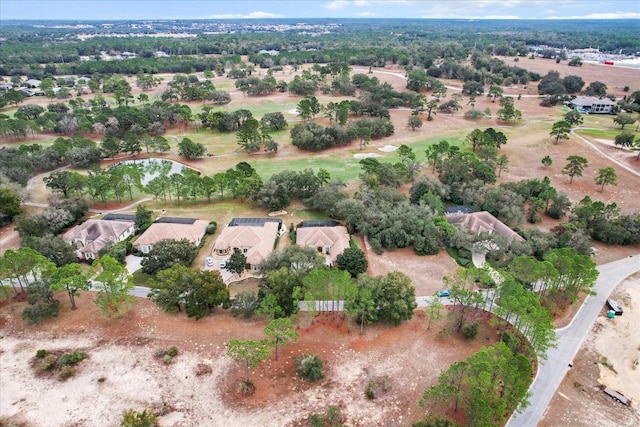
(552, 370)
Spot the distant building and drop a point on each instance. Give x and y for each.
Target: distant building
(593, 105)
(161, 54)
(32, 83)
(6, 86)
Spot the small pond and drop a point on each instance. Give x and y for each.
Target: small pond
(153, 167)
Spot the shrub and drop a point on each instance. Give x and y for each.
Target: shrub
(244, 304)
(512, 341)
(49, 362)
(167, 359)
(173, 351)
(370, 391)
(470, 330)
(40, 354)
(309, 367)
(160, 352)
(66, 372)
(332, 415)
(316, 420)
(69, 359)
(212, 227)
(247, 387)
(131, 418)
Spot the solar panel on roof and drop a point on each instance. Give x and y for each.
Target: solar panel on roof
(175, 220)
(119, 217)
(256, 222)
(320, 223)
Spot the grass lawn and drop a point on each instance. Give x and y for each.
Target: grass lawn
(599, 133)
(142, 279)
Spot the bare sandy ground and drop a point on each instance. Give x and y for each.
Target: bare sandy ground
(607, 357)
(624, 372)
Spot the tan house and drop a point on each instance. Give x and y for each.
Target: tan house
(254, 239)
(478, 222)
(328, 241)
(172, 228)
(90, 237)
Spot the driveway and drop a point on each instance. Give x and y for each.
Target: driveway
(134, 263)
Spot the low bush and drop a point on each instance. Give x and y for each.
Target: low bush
(173, 351)
(40, 354)
(470, 330)
(69, 359)
(66, 372)
(309, 367)
(49, 362)
(131, 418)
(212, 227)
(370, 391)
(247, 387)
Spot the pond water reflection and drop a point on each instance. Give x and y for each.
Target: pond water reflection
(153, 167)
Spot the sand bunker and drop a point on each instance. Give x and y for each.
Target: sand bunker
(388, 148)
(361, 156)
(294, 112)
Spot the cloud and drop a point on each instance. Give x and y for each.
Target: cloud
(610, 15)
(337, 5)
(343, 4)
(367, 14)
(252, 15)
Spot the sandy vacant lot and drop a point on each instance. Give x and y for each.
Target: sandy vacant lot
(200, 386)
(609, 356)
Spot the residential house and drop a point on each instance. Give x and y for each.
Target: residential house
(329, 241)
(254, 237)
(478, 222)
(171, 228)
(32, 83)
(6, 86)
(94, 235)
(593, 105)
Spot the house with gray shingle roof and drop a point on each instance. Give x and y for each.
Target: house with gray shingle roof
(94, 235)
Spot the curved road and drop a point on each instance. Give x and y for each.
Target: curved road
(552, 370)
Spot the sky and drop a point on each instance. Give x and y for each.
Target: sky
(242, 9)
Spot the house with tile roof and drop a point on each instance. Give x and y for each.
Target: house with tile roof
(172, 228)
(255, 240)
(478, 222)
(94, 235)
(328, 241)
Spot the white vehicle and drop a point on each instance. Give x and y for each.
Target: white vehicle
(209, 261)
(223, 263)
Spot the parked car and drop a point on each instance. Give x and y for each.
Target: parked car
(209, 261)
(223, 263)
(444, 293)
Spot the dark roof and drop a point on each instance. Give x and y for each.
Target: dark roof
(322, 223)
(119, 217)
(254, 222)
(455, 210)
(175, 220)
